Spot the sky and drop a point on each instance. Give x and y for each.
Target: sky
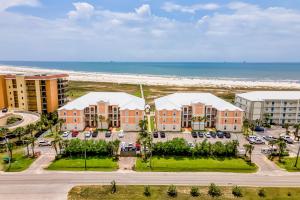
(150, 30)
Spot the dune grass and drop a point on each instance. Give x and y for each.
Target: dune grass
(184, 164)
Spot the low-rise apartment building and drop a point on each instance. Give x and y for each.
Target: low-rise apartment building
(42, 93)
(281, 106)
(183, 110)
(103, 110)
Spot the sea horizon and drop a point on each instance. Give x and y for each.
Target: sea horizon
(249, 71)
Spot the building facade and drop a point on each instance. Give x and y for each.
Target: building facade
(42, 93)
(280, 106)
(103, 110)
(185, 110)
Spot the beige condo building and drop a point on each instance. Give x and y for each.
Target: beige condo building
(42, 93)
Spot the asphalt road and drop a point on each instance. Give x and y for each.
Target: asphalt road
(55, 185)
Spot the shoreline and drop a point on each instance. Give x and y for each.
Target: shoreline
(155, 80)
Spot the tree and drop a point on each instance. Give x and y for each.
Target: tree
(214, 190)
(195, 192)
(101, 119)
(3, 133)
(172, 191)
(249, 149)
(60, 124)
(282, 148)
(267, 118)
(19, 132)
(287, 126)
(296, 162)
(26, 141)
(142, 125)
(147, 191)
(246, 126)
(296, 132)
(252, 127)
(237, 191)
(29, 130)
(113, 187)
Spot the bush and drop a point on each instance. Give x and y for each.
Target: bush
(172, 191)
(147, 192)
(113, 187)
(195, 192)
(237, 192)
(262, 193)
(289, 194)
(214, 190)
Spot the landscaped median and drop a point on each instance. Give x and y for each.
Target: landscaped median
(288, 163)
(78, 164)
(178, 156)
(190, 164)
(164, 192)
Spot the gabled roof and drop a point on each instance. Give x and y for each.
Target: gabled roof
(177, 100)
(122, 99)
(270, 95)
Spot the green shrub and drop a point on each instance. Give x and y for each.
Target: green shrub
(214, 190)
(289, 194)
(172, 191)
(147, 192)
(262, 192)
(113, 187)
(237, 191)
(195, 192)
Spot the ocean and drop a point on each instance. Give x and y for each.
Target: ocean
(227, 70)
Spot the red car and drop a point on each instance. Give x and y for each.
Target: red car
(138, 146)
(75, 133)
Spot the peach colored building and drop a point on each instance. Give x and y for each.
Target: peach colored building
(178, 110)
(103, 110)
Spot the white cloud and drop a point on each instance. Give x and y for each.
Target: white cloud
(171, 7)
(5, 4)
(248, 32)
(82, 10)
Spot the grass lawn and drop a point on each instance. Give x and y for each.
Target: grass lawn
(77, 164)
(288, 164)
(184, 164)
(20, 162)
(183, 193)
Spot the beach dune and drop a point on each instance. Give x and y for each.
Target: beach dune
(155, 80)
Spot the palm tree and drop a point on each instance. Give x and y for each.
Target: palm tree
(252, 127)
(101, 119)
(26, 141)
(249, 149)
(282, 148)
(9, 147)
(142, 125)
(19, 132)
(30, 129)
(286, 126)
(267, 117)
(246, 125)
(296, 126)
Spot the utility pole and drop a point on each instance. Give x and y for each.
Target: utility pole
(84, 151)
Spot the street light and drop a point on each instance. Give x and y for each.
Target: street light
(84, 151)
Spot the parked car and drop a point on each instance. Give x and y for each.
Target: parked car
(194, 134)
(123, 146)
(121, 134)
(155, 135)
(138, 146)
(259, 141)
(4, 110)
(66, 134)
(75, 133)
(207, 135)
(252, 141)
(88, 134)
(200, 134)
(213, 134)
(227, 134)
(287, 139)
(259, 129)
(107, 134)
(251, 137)
(220, 134)
(162, 134)
(43, 143)
(95, 134)
(269, 138)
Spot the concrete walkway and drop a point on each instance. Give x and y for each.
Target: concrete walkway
(126, 163)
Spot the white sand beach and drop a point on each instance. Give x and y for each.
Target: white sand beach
(155, 80)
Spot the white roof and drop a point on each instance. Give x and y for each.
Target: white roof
(177, 100)
(122, 99)
(270, 95)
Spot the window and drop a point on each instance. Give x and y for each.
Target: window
(225, 120)
(164, 113)
(225, 127)
(226, 114)
(174, 127)
(75, 113)
(75, 120)
(136, 113)
(174, 113)
(236, 114)
(65, 113)
(164, 127)
(234, 127)
(235, 121)
(21, 85)
(174, 120)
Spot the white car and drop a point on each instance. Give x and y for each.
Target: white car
(208, 135)
(121, 134)
(88, 134)
(66, 134)
(44, 143)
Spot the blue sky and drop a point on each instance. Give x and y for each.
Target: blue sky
(150, 30)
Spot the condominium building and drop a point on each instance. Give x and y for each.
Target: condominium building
(103, 110)
(183, 110)
(281, 106)
(40, 93)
